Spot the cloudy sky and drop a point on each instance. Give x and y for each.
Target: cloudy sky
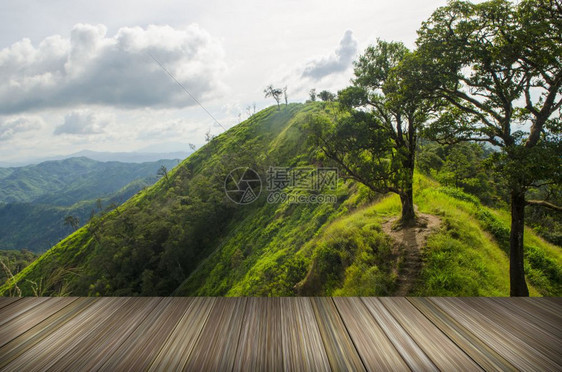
(78, 75)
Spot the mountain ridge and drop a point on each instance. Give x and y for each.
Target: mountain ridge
(183, 236)
(62, 182)
(103, 156)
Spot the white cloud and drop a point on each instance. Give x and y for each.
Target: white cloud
(338, 62)
(90, 68)
(11, 127)
(331, 72)
(177, 129)
(81, 122)
(106, 69)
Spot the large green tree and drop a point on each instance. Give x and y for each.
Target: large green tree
(374, 139)
(498, 65)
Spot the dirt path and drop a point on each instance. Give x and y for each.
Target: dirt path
(408, 243)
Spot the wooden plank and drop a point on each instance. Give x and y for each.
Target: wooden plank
(8, 313)
(67, 334)
(93, 352)
(556, 301)
(532, 313)
(142, 346)
(260, 345)
(34, 335)
(216, 348)
(479, 351)
(375, 349)
(5, 301)
(340, 349)
(303, 349)
(45, 353)
(544, 308)
(31, 318)
(526, 325)
(176, 351)
(444, 353)
(519, 350)
(412, 354)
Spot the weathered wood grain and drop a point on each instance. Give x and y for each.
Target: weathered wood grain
(30, 337)
(533, 314)
(339, 346)
(280, 334)
(303, 349)
(93, 352)
(145, 342)
(472, 345)
(17, 308)
(216, 348)
(375, 349)
(260, 344)
(498, 334)
(429, 337)
(544, 308)
(412, 354)
(46, 352)
(5, 301)
(175, 352)
(526, 328)
(30, 318)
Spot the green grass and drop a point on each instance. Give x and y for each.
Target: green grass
(353, 257)
(349, 255)
(469, 256)
(461, 259)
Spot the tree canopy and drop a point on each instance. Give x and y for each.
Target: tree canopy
(498, 67)
(374, 139)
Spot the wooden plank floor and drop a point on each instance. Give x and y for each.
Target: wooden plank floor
(280, 334)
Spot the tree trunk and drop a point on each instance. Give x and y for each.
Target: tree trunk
(408, 214)
(518, 286)
(407, 195)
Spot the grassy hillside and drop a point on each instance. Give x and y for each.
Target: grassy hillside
(183, 236)
(349, 255)
(12, 262)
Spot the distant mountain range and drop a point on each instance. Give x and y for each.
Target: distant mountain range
(132, 157)
(125, 157)
(35, 199)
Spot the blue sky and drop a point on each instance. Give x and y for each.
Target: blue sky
(79, 74)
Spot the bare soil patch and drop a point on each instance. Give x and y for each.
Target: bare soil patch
(408, 243)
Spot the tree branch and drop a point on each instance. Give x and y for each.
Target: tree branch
(545, 204)
(544, 113)
(459, 94)
(480, 115)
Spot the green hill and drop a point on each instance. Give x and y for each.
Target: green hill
(37, 227)
(37, 198)
(183, 236)
(68, 181)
